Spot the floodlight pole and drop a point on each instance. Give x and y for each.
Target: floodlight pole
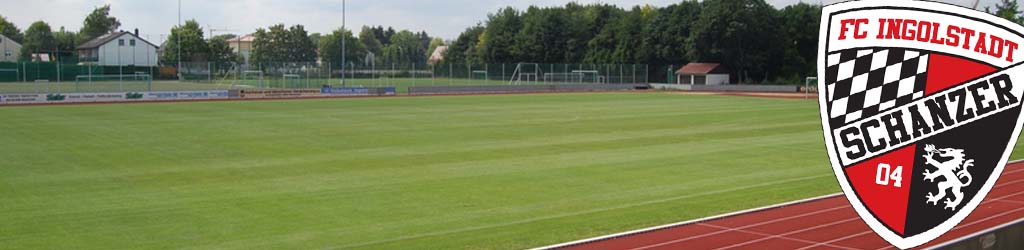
(179, 40)
(343, 38)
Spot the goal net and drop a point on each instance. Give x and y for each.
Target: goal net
(291, 81)
(479, 75)
(525, 73)
(113, 83)
(810, 86)
(252, 78)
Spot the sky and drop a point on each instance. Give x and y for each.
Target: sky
(154, 18)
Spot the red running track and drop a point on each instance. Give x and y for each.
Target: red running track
(822, 223)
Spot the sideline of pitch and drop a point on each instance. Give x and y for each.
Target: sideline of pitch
(705, 219)
(753, 210)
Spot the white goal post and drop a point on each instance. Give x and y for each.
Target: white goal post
(598, 78)
(287, 78)
(257, 73)
(483, 73)
(525, 72)
(808, 83)
(563, 77)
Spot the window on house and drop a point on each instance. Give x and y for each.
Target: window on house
(132, 42)
(120, 42)
(7, 53)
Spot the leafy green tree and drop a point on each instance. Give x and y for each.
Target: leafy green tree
(741, 34)
(315, 37)
(267, 44)
(66, 42)
(10, 30)
(368, 38)
(278, 44)
(38, 39)
(1009, 10)
(541, 38)
(498, 41)
(464, 49)
(405, 48)
(224, 37)
(665, 36)
(193, 46)
(424, 39)
(300, 47)
(98, 23)
(220, 51)
(330, 47)
(800, 43)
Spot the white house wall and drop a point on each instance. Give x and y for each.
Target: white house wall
(718, 79)
(8, 45)
(142, 54)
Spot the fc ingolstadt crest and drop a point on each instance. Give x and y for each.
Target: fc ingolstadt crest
(921, 106)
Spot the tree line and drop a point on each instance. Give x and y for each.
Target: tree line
(756, 41)
(274, 44)
(752, 38)
(40, 37)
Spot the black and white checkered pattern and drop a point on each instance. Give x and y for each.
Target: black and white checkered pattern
(863, 83)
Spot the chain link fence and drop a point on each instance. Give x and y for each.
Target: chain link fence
(50, 77)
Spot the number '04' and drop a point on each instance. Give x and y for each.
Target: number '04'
(886, 174)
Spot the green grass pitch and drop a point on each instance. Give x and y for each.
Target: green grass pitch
(462, 172)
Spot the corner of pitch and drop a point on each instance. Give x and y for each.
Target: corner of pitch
(931, 115)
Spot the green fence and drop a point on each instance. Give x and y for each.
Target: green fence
(45, 77)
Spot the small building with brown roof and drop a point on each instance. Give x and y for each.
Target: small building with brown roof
(703, 74)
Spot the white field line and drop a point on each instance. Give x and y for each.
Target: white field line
(686, 222)
(716, 217)
(582, 212)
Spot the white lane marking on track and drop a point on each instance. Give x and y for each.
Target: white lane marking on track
(789, 218)
(783, 236)
(738, 228)
(698, 221)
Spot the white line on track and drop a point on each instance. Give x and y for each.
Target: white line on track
(783, 236)
(737, 228)
(655, 228)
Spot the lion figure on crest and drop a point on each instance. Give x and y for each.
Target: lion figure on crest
(953, 171)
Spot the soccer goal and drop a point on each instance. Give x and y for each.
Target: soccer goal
(110, 83)
(810, 85)
(525, 72)
(479, 75)
(252, 78)
(590, 76)
(291, 81)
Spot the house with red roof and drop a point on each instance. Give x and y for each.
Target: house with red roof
(703, 74)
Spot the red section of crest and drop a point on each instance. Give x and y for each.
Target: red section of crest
(885, 200)
(946, 71)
